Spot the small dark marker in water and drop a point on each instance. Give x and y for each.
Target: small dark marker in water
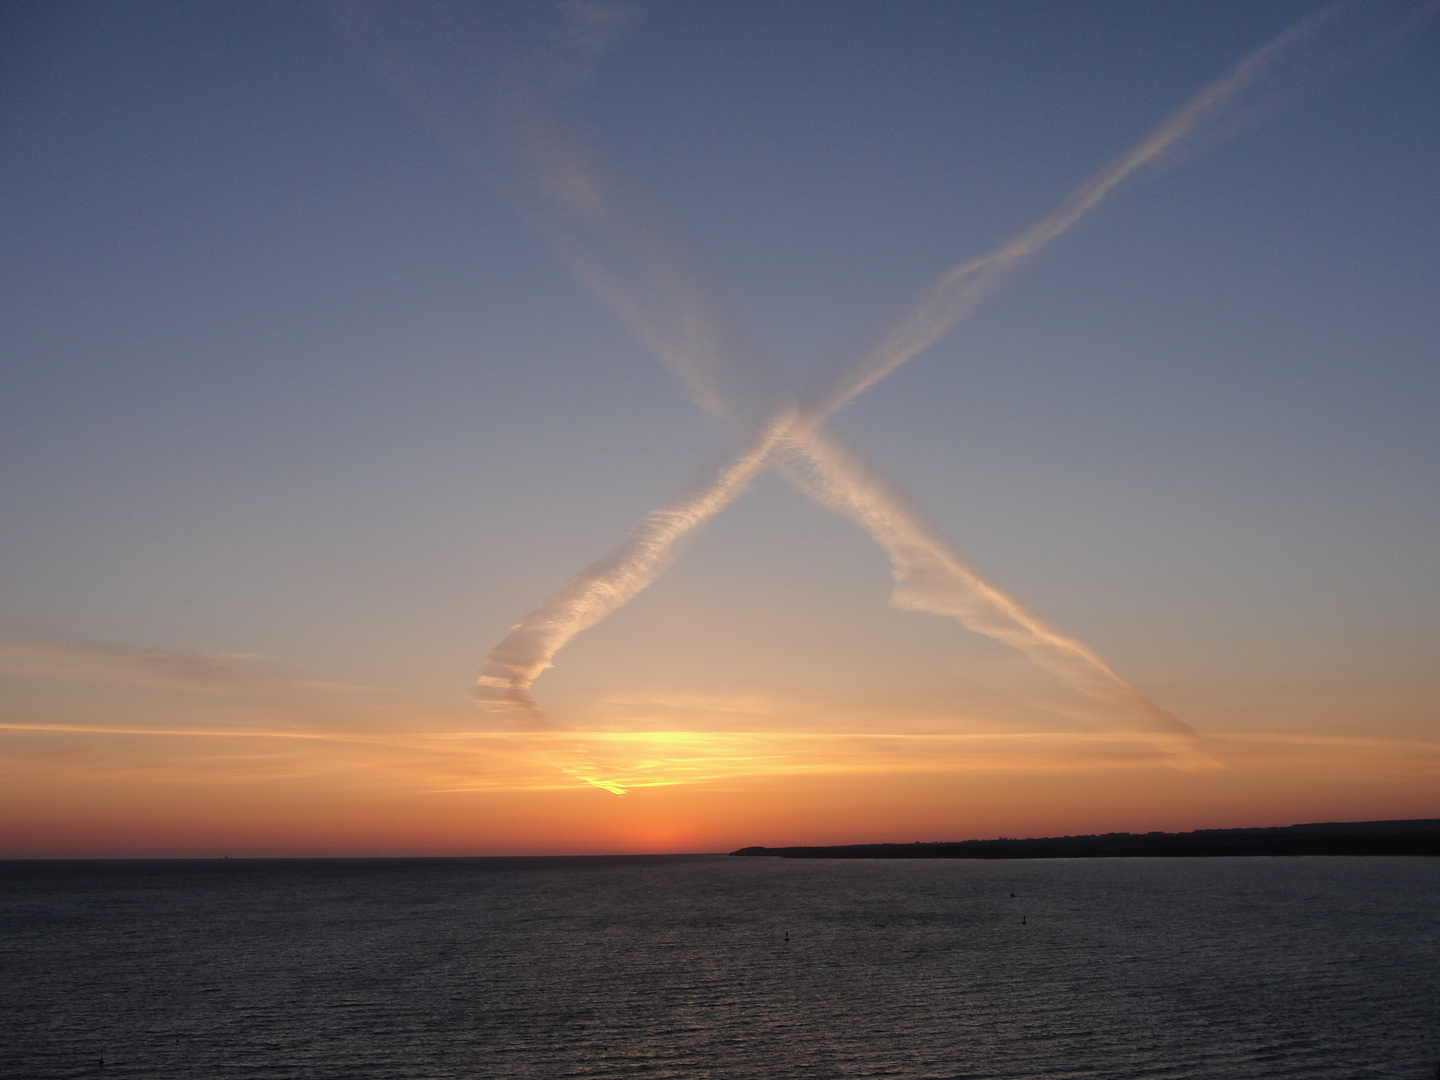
(787, 935)
(1012, 896)
(1022, 920)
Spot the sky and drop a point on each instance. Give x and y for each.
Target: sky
(1026, 411)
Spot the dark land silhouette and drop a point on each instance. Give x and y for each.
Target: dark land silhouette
(1417, 837)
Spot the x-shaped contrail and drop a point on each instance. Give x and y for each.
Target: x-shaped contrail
(622, 252)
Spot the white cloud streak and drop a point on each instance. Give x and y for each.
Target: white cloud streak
(527, 650)
(957, 292)
(931, 576)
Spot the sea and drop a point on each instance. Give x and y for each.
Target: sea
(716, 966)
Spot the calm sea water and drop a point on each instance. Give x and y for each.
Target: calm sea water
(549, 968)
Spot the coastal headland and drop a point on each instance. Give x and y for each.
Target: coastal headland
(1412, 837)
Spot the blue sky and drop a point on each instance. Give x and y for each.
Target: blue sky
(286, 377)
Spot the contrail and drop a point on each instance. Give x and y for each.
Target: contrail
(595, 592)
(956, 293)
(929, 575)
(614, 240)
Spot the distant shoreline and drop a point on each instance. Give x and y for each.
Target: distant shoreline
(1413, 837)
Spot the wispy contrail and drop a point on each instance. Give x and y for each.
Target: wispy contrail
(598, 590)
(929, 575)
(955, 294)
(618, 244)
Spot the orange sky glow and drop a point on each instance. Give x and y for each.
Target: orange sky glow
(210, 757)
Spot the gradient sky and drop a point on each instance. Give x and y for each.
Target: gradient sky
(300, 411)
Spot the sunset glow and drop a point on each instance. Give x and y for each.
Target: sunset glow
(672, 383)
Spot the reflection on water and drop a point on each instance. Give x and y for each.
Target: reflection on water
(680, 967)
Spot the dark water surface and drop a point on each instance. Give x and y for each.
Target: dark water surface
(549, 968)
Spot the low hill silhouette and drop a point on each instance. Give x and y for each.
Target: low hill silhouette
(1415, 837)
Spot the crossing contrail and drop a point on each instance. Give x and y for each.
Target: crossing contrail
(606, 585)
(689, 331)
(931, 576)
(957, 292)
